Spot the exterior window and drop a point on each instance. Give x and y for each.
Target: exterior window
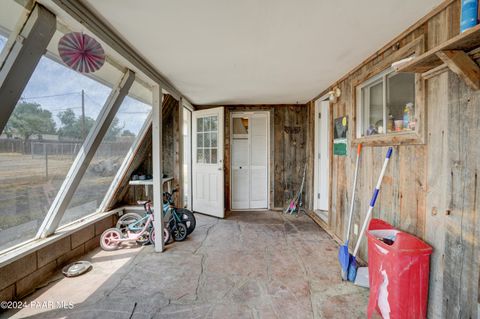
(39, 144)
(107, 160)
(207, 135)
(386, 104)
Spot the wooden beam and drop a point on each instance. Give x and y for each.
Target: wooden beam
(460, 63)
(22, 59)
(181, 191)
(157, 167)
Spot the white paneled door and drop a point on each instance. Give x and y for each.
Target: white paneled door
(249, 161)
(208, 175)
(322, 144)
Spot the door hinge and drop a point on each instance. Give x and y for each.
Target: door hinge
(318, 196)
(319, 155)
(319, 115)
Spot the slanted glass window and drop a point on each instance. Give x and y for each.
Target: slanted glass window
(39, 144)
(207, 136)
(107, 160)
(386, 104)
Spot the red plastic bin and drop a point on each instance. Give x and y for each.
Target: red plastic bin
(398, 273)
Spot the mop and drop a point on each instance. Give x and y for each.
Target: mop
(343, 254)
(352, 268)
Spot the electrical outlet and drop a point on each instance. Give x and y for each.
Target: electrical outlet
(355, 229)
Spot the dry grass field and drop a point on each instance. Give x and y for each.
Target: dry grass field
(26, 193)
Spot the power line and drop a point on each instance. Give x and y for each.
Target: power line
(47, 96)
(92, 100)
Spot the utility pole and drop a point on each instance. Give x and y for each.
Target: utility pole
(84, 133)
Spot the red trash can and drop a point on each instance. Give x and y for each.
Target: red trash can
(398, 269)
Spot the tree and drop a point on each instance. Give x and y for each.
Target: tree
(72, 126)
(128, 133)
(29, 119)
(113, 131)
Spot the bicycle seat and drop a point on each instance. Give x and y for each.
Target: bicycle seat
(143, 202)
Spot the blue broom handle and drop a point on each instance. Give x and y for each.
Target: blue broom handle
(373, 200)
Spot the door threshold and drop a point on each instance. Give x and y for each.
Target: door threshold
(323, 214)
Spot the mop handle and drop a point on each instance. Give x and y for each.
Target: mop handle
(372, 202)
(359, 150)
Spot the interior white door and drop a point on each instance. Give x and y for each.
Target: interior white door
(249, 165)
(208, 178)
(323, 155)
(258, 161)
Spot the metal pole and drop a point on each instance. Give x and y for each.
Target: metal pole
(45, 152)
(84, 131)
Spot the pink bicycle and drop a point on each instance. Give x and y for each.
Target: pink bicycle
(141, 232)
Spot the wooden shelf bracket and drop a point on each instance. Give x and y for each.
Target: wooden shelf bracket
(460, 62)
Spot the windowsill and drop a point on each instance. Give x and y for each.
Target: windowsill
(392, 139)
(10, 255)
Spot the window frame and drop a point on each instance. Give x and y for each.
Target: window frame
(380, 71)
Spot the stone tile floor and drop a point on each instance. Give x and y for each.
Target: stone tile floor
(248, 265)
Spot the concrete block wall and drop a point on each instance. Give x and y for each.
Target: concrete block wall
(25, 275)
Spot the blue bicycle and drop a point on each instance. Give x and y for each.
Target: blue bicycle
(180, 222)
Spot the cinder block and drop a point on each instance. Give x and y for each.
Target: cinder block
(83, 235)
(53, 251)
(7, 294)
(71, 255)
(92, 243)
(103, 224)
(28, 284)
(17, 269)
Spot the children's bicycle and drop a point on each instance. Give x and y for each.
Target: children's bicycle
(113, 237)
(181, 222)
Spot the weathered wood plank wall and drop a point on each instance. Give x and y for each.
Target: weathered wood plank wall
(431, 189)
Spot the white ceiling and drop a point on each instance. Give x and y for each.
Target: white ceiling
(258, 51)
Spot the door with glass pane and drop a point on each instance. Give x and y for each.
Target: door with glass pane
(249, 165)
(208, 186)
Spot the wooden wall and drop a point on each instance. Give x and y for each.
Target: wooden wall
(430, 189)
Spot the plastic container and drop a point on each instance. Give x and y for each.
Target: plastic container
(398, 270)
(469, 16)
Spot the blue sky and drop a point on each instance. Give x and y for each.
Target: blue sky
(56, 88)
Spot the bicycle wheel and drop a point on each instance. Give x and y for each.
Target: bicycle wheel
(127, 219)
(166, 236)
(109, 239)
(180, 232)
(144, 239)
(188, 218)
